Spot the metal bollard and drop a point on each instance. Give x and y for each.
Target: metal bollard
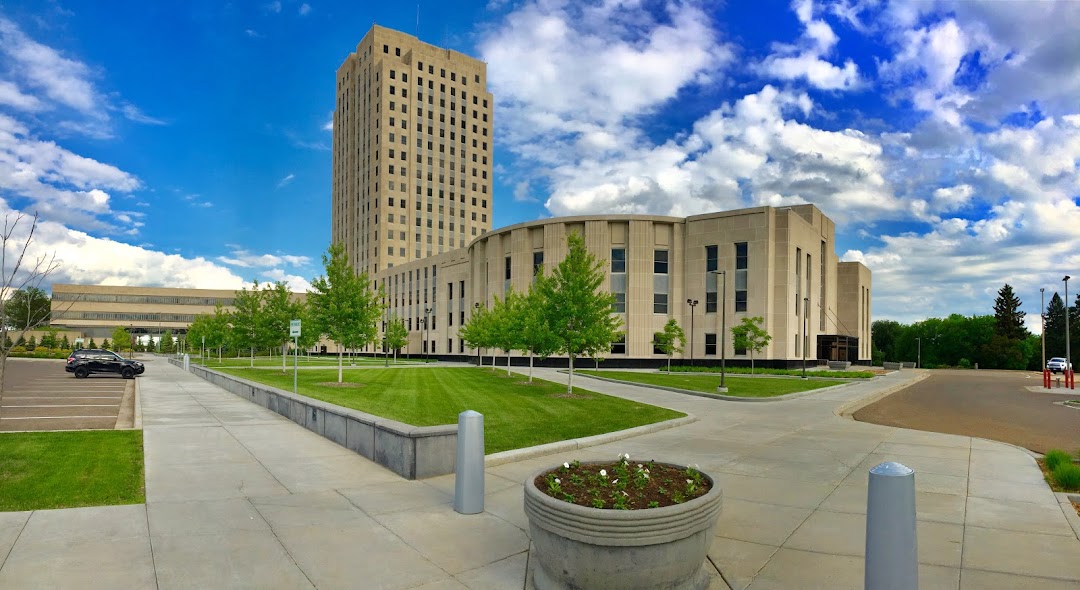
(187, 363)
(469, 468)
(892, 561)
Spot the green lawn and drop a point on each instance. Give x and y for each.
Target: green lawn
(516, 415)
(737, 386)
(41, 470)
(302, 361)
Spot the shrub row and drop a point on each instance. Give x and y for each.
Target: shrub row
(767, 371)
(38, 353)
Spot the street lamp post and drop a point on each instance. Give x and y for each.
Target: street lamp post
(427, 330)
(723, 330)
(1068, 348)
(1042, 325)
(479, 360)
(692, 303)
(805, 340)
(918, 355)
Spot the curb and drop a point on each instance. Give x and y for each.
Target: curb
(846, 409)
(138, 407)
(1065, 501)
(720, 396)
(580, 443)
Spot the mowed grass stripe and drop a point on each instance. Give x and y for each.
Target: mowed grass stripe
(42, 470)
(516, 415)
(737, 386)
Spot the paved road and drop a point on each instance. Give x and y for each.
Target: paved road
(990, 404)
(39, 395)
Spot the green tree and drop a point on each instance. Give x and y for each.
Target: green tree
(65, 344)
(536, 335)
(1009, 318)
(246, 329)
(48, 339)
(884, 335)
(106, 345)
(577, 311)
(476, 333)
(92, 344)
(278, 309)
(28, 308)
(749, 335)
(506, 324)
(344, 305)
(121, 339)
(397, 335)
(168, 343)
(31, 344)
(670, 340)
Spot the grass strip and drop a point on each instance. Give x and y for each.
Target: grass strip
(516, 414)
(42, 470)
(737, 386)
(768, 371)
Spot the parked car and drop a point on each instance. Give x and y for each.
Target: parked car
(1057, 365)
(85, 361)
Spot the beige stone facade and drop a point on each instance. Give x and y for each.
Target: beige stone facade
(96, 310)
(779, 264)
(412, 151)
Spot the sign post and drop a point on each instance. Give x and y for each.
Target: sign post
(294, 331)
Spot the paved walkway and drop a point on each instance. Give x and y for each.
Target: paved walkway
(237, 497)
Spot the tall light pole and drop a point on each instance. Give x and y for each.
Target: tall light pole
(1068, 349)
(918, 358)
(723, 330)
(427, 329)
(1042, 324)
(805, 312)
(692, 303)
(479, 360)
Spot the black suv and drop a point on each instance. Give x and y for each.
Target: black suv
(84, 361)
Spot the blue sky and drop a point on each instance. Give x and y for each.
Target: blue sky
(187, 144)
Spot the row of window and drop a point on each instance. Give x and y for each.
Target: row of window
(123, 316)
(155, 299)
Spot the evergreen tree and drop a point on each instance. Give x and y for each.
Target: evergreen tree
(31, 344)
(1055, 327)
(168, 343)
(65, 344)
(106, 345)
(1009, 319)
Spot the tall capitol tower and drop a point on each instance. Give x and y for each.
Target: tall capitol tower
(412, 151)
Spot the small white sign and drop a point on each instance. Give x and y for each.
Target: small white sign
(294, 328)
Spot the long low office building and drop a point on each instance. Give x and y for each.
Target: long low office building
(775, 263)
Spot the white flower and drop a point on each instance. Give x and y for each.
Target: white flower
(689, 481)
(695, 467)
(603, 473)
(566, 465)
(558, 481)
(625, 494)
(646, 474)
(624, 457)
(614, 481)
(639, 465)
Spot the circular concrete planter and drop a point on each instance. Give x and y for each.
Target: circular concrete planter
(578, 547)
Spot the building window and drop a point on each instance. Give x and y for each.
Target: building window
(660, 281)
(710, 344)
(821, 296)
(506, 274)
(618, 279)
(741, 269)
(619, 346)
(711, 265)
(538, 262)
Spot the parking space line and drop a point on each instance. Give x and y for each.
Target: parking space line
(67, 406)
(7, 397)
(58, 417)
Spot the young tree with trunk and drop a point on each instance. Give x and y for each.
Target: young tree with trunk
(122, 338)
(537, 338)
(749, 335)
(397, 335)
(476, 333)
(344, 305)
(670, 340)
(21, 271)
(278, 309)
(506, 317)
(245, 331)
(576, 309)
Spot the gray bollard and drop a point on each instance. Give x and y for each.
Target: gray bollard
(892, 561)
(469, 468)
(187, 363)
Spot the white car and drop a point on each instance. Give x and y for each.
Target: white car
(1057, 365)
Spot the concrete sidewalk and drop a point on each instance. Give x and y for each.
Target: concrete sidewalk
(238, 497)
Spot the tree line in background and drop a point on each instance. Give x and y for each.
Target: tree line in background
(998, 341)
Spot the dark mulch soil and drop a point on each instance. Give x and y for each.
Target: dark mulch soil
(624, 487)
(342, 384)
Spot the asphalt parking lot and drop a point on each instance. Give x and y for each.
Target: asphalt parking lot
(996, 405)
(39, 395)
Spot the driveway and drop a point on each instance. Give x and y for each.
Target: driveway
(996, 405)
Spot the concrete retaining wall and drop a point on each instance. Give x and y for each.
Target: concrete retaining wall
(413, 452)
(890, 366)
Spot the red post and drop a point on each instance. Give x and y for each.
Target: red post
(1046, 379)
(1071, 379)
